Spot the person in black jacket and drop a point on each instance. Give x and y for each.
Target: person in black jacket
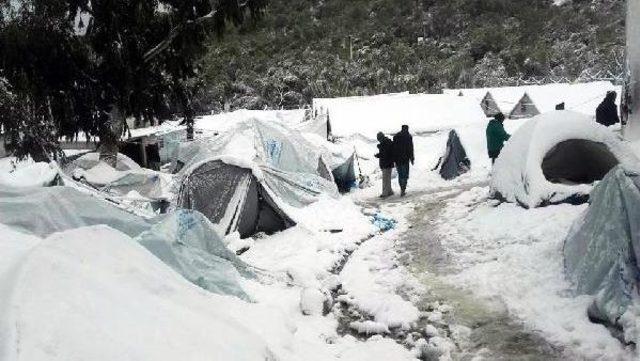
(403, 154)
(607, 111)
(385, 160)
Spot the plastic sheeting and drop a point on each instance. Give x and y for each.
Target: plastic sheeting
(454, 162)
(602, 249)
(184, 240)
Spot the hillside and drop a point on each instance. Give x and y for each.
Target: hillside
(302, 49)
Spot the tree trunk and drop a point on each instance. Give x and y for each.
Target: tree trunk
(110, 136)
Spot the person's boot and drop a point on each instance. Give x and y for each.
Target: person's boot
(403, 191)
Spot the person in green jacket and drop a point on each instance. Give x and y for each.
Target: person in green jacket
(496, 136)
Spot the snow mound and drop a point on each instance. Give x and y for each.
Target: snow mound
(26, 173)
(94, 294)
(92, 159)
(556, 157)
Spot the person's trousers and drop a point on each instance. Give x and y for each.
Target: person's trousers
(493, 154)
(386, 182)
(403, 174)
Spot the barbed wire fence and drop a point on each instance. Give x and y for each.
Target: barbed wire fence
(585, 77)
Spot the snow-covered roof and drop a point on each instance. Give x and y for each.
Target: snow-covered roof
(579, 97)
(505, 97)
(387, 113)
(224, 121)
(518, 175)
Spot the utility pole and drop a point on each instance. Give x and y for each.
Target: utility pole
(631, 94)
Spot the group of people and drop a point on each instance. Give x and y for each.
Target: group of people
(399, 153)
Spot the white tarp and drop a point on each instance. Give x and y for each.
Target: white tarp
(518, 175)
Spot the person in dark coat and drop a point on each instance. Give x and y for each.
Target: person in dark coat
(403, 154)
(385, 160)
(496, 136)
(607, 111)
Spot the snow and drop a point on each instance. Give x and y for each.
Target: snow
(222, 122)
(579, 97)
(517, 175)
(63, 285)
(26, 173)
(514, 255)
(367, 116)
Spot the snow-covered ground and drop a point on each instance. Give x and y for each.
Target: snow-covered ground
(334, 287)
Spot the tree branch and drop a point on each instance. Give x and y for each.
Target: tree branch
(164, 44)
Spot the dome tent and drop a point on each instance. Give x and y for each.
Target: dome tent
(555, 158)
(247, 179)
(602, 250)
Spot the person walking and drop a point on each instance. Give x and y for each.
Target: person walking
(496, 136)
(403, 154)
(607, 111)
(385, 160)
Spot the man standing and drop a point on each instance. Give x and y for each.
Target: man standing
(607, 112)
(496, 136)
(385, 160)
(403, 153)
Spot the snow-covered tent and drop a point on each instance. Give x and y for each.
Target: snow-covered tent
(245, 179)
(127, 176)
(556, 157)
(341, 159)
(602, 250)
(493, 100)
(454, 162)
(387, 113)
(579, 97)
(223, 122)
(184, 240)
(27, 173)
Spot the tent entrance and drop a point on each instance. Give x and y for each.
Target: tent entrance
(578, 161)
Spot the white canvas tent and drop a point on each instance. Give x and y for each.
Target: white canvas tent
(423, 113)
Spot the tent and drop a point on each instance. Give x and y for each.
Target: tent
(184, 240)
(454, 161)
(127, 176)
(423, 113)
(247, 179)
(556, 157)
(222, 122)
(233, 198)
(341, 159)
(493, 100)
(579, 97)
(602, 250)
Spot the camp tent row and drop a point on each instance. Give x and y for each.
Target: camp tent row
(530, 100)
(423, 113)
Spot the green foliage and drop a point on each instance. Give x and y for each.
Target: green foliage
(87, 65)
(340, 48)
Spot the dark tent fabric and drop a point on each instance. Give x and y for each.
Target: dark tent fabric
(233, 198)
(345, 175)
(454, 162)
(602, 249)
